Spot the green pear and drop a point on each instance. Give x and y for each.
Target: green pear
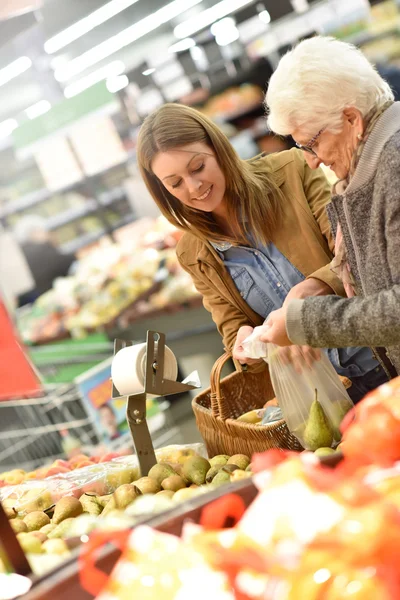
(229, 468)
(161, 471)
(47, 528)
(36, 520)
(30, 543)
(67, 507)
(121, 498)
(240, 460)
(166, 493)
(221, 478)
(195, 469)
(56, 546)
(317, 432)
(173, 483)
(19, 526)
(103, 500)
(324, 451)
(61, 530)
(219, 460)
(90, 504)
(147, 485)
(211, 473)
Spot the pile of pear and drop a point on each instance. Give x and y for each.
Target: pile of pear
(46, 531)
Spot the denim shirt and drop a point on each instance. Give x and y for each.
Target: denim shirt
(264, 277)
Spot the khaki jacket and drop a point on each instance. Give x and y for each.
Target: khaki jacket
(304, 238)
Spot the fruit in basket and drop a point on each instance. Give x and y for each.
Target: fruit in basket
(115, 479)
(229, 468)
(195, 469)
(30, 543)
(147, 485)
(35, 499)
(317, 432)
(221, 478)
(324, 451)
(250, 417)
(61, 530)
(121, 498)
(18, 526)
(173, 483)
(67, 507)
(40, 536)
(47, 528)
(211, 473)
(240, 460)
(14, 477)
(36, 520)
(161, 471)
(56, 546)
(239, 474)
(90, 504)
(103, 500)
(166, 493)
(149, 504)
(219, 460)
(185, 494)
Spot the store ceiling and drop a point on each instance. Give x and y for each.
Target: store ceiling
(38, 82)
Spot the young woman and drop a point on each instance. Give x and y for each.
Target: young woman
(256, 231)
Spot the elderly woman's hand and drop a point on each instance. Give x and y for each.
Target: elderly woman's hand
(238, 352)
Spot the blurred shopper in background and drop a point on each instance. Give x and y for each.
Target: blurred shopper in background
(45, 261)
(342, 113)
(256, 231)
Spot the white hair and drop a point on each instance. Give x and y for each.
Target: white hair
(28, 227)
(316, 81)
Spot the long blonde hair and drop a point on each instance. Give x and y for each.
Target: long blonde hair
(254, 199)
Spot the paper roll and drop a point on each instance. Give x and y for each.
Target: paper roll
(128, 368)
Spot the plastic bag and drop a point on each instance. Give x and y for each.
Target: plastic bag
(296, 392)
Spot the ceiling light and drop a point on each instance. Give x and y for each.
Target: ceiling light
(148, 72)
(7, 127)
(17, 67)
(208, 16)
(115, 84)
(123, 38)
(78, 29)
(182, 45)
(225, 31)
(111, 70)
(265, 16)
(38, 109)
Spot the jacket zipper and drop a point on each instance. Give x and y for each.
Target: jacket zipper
(356, 252)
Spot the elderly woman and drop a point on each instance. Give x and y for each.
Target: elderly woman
(341, 113)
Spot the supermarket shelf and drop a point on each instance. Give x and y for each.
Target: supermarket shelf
(72, 214)
(24, 202)
(90, 238)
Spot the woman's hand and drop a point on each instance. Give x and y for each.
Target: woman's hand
(274, 328)
(238, 352)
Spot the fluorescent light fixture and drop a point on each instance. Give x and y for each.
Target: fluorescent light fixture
(182, 45)
(83, 26)
(208, 16)
(115, 84)
(123, 38)
(225, 31)
(148, 72)
(111, 70)
(38, 109)
(264, 16)
(17, 67)
(7, 127)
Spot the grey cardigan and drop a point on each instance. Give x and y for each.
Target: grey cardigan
(369, 214)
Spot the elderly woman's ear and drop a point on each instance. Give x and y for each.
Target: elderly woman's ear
(354, 117)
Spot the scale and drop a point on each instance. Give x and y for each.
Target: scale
(155, 384)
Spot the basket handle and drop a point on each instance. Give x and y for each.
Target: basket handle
(218, 406)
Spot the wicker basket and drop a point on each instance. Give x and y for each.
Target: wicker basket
(217, 408)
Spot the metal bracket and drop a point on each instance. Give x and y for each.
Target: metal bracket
(155, 384)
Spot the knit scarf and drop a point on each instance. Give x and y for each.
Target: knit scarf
(339, 264)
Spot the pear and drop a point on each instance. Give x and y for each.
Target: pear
(36, 520)
(11, 513)
(61, 530)
(166, 493)
(30, 543)
(56, 546)
(185, 494)
(35, 500)
(219, 460)
(173, 483)
(240, 460)
(317, 432)
(67, 507)
(211, 473)
(195, 469)
(250, 417)
(19, 526)
(161, 471)
(248, 468)
(47, 528)
(42, 537)
(147, 485)
(103, 500)
(239, 474)
(324, 451)
(221, 478)
(229, 468)
(121, 498)
(90, 504)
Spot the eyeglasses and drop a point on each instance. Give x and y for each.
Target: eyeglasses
(308, 147)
